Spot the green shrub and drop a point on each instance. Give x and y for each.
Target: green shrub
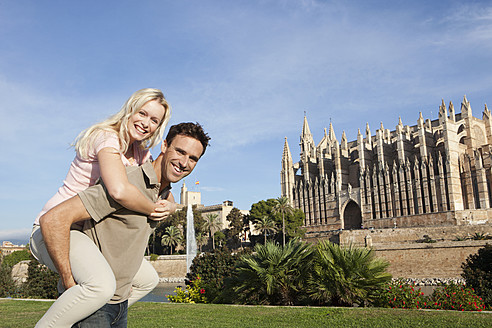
(272, 274)
(7, 286)
(153, 257)
(426, 240)
(480, 236)
(445, 297)
(213, 269)
(455, 297)
(15, 257)
(398, 294)
(41, 282)
(344, 276)
(477, 271)
(194, 293)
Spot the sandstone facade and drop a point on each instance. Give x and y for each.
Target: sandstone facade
(435, 173)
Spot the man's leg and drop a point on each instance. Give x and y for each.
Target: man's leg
(110, 315)
(95, 280)
(144, 282)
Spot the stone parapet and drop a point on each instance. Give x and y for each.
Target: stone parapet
(437, 260)
(395, 237)
(170, 268)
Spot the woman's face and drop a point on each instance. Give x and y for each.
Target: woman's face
(145, 121)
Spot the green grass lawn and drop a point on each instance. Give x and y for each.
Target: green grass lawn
(15, 313)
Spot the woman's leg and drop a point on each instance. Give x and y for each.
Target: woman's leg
(95, 280)
(144, 282)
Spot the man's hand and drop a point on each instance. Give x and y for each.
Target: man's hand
(68, 281)
(163, 210)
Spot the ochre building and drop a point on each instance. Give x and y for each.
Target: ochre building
(435, 173)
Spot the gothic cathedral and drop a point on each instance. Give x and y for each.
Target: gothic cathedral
(435, 173)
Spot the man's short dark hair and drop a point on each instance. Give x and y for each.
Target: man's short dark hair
(189, 129)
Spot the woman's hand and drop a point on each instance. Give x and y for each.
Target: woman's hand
(163, 210)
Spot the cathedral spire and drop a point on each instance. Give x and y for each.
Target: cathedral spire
(307, 142)
(331, 134)
(306, 132)
(287, 155)
(287, 173)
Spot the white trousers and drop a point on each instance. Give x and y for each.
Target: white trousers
(95, 280)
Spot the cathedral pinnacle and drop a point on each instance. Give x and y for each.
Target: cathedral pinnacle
(465, 107)
(344, 141)
(452, 115)
(332, 135)
(287, 155)
(486, 113)
(420, 121)
(306, 132)
(443, 113)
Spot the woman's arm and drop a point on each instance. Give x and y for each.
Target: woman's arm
(113, 174)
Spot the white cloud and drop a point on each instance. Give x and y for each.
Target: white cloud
(15, 234)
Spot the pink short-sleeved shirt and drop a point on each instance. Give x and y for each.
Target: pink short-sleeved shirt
(84, 173)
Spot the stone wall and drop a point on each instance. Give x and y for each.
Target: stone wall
(437, 260)
(170, 268)
(381, 237)
(408, 255)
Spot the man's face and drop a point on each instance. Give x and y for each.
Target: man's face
(180, 158)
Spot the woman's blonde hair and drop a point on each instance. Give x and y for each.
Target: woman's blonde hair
(119, 123)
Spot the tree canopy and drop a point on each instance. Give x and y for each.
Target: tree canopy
(293, 220)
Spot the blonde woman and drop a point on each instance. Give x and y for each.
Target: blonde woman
(102, 151)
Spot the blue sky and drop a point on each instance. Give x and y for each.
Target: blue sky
(246, 70)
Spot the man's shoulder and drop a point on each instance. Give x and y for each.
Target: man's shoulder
(142, 175)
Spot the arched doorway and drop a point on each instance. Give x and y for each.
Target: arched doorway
(352, 217)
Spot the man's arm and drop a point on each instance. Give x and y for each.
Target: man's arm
(55, 227)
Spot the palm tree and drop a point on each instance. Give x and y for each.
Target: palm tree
(172, 237)
(346, 275)
(282, 205)
(265, 224)
(212, 223)
(272, 274)
(200, 240)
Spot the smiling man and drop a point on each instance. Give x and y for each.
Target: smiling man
(120, 234)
